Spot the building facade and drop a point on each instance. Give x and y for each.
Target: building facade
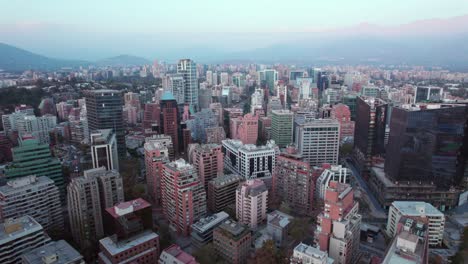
(232, 242)
(251, 202)
(104, 152)
(282, 127)
(222, 192)
(156, 155)
(208, 161)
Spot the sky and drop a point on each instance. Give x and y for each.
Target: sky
(106, 27)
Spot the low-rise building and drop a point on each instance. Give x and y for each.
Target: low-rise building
(175, 255)
(278, 226)
(306, 254)
(55, 252)
(202, 231)
(232, 242)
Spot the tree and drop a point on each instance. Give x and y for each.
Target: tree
(206, 255)
(462, 254)
(299, 228)
(165, 238)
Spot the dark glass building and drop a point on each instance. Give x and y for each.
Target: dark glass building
(170, 119)
(369, 131)
(104, 111)
(428, 143)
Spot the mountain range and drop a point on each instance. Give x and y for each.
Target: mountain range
(433, 42)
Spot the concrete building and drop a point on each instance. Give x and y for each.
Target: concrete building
(104, 152)
(156, 155)
(278, 226)
(411, 209)
(18, 236)
(208, 162)
(175, 84)
(151, 118)
(188, 69)
(215, 135)
(228, 115)
(282, 127)
(306, 254)
(318, 140)
(202, 231)
(183, 196)
(104, 111)
(37, 197)
(247, 130)
(205, 97)
(88, 196)
(330, 173)
(424, 94)
(238, 157)
(268, 78)
(34, 158)
(131, 239)
(410, 243)
(165, 141)
(55, 252)
(293, 182)
(175, 255)
(342, 114)
(232, 242)
(200, 121)
(222, 192)
(39, 127)
(338, 226)
(251, 202)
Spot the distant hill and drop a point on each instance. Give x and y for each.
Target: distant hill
(16, 59)
(123, 60)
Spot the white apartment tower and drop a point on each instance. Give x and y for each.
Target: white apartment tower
(188, 69)
(251, 202)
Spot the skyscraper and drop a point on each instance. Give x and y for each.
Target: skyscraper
(33, 158)
(170, 119)
(338, 226)
(268, 78)
(175, 83)
(183, 195)
(251, 202)
(88, 196)
(104, 111)
(188, 69)
(318, 140)
(428, 143)
(282, 127)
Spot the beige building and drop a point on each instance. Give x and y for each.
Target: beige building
(88, 196)
(251, 202)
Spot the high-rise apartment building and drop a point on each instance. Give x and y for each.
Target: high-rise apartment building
(37, 197)
(131, 239)
(34, 158)
(18, 236)
(282, 127)
(293, 182)
(411, 209)
(247, 131)
(369, 132)
(104, 111)
(188, 69)
(151, 118)
(165, 141)
(104, 152)
(175, 84)
(88, 196)
(183, 195)
(250, 161)
(341, 113)
(232, 242)
(338, 226)
(156, 155)
(170, 119)
(53, 252)
(318, 140)
(222, 192)
(251, 202)
(208, 161)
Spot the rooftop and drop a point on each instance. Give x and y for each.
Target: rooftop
(60, 251)
(13, 229)
(226, 179)
(278, 218)
(115, 247)
(167, 95)
(413, 208)
(209, 222)
(26, 182)
(124, 208)
(179, 254)
(428, 106)
(237, 144)
(233, 229)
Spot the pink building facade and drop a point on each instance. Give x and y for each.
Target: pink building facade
(342, 114)
(248, 129)
(251, 202)
(208, 160)
(156, 155)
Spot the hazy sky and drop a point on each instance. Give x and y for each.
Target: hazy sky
(106, 27)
